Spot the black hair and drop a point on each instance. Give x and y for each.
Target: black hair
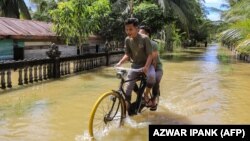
(146, 28)
(133, 21)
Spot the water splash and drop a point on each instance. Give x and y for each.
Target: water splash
(84, 137)
(128, 124)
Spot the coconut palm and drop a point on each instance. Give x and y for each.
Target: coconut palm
(14, 9)
(42, 9)
(121, 5)
(187, 12)
(238, 12)
(238, 33)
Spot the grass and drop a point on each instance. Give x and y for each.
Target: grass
(224, 55)
(244, 50)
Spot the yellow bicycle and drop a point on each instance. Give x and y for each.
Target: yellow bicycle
(110, 108)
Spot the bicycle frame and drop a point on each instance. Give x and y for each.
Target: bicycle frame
(136, 106)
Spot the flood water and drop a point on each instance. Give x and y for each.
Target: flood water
(196, 88)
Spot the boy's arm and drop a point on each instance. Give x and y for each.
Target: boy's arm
(148, 63)
(124, 58)
(154, 58)
(149, 52)
(155, 53)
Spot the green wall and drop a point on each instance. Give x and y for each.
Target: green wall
(6, 48)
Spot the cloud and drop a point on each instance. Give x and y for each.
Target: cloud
(212, 5)
(30, 5)
(214, 16)
(216, 1)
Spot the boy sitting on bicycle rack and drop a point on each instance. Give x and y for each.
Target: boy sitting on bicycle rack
(157, 64)
(138, 48)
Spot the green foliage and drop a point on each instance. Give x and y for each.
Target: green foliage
(187, 16)
(224, 55)
(204, 31)
(239, 11)
(43, 8)
(113, 24)
(172, 36)
(76, 19)
(14, 9)
(186, 13)
(112, 27)
(161, 45)
(120, 6)
(245, 50)
(237, 33)
(151, 15)
(176, 36)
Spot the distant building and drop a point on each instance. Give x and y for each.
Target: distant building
(24, 39)
(15, 34)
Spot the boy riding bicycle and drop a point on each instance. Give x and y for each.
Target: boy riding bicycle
(139, 49)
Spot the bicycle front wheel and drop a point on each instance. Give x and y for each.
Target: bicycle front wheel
(108, 112)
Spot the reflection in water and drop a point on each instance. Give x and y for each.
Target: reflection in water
(196, 88)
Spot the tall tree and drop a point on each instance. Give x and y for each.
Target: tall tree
(14, 9)
(42, 9)
(151, 15)
(187, 12)
(76, 19)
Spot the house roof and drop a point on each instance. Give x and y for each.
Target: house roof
(26, 29)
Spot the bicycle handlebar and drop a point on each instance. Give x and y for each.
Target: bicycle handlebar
(129, 69)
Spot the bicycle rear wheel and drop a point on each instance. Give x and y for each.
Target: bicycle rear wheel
(108, 112)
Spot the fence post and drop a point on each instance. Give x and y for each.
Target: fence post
(107, 58)
(54, 54)
(56, 68)
(3, 79)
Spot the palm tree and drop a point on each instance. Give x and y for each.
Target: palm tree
(187, 12)
(237, 34)
(42, 9)
(14, 9)
(238, 12)
(121, 6)
(233, 2)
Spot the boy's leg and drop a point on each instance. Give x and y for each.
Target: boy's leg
(156, 87)
(130, 86)
(151, 77)
(150, 82)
